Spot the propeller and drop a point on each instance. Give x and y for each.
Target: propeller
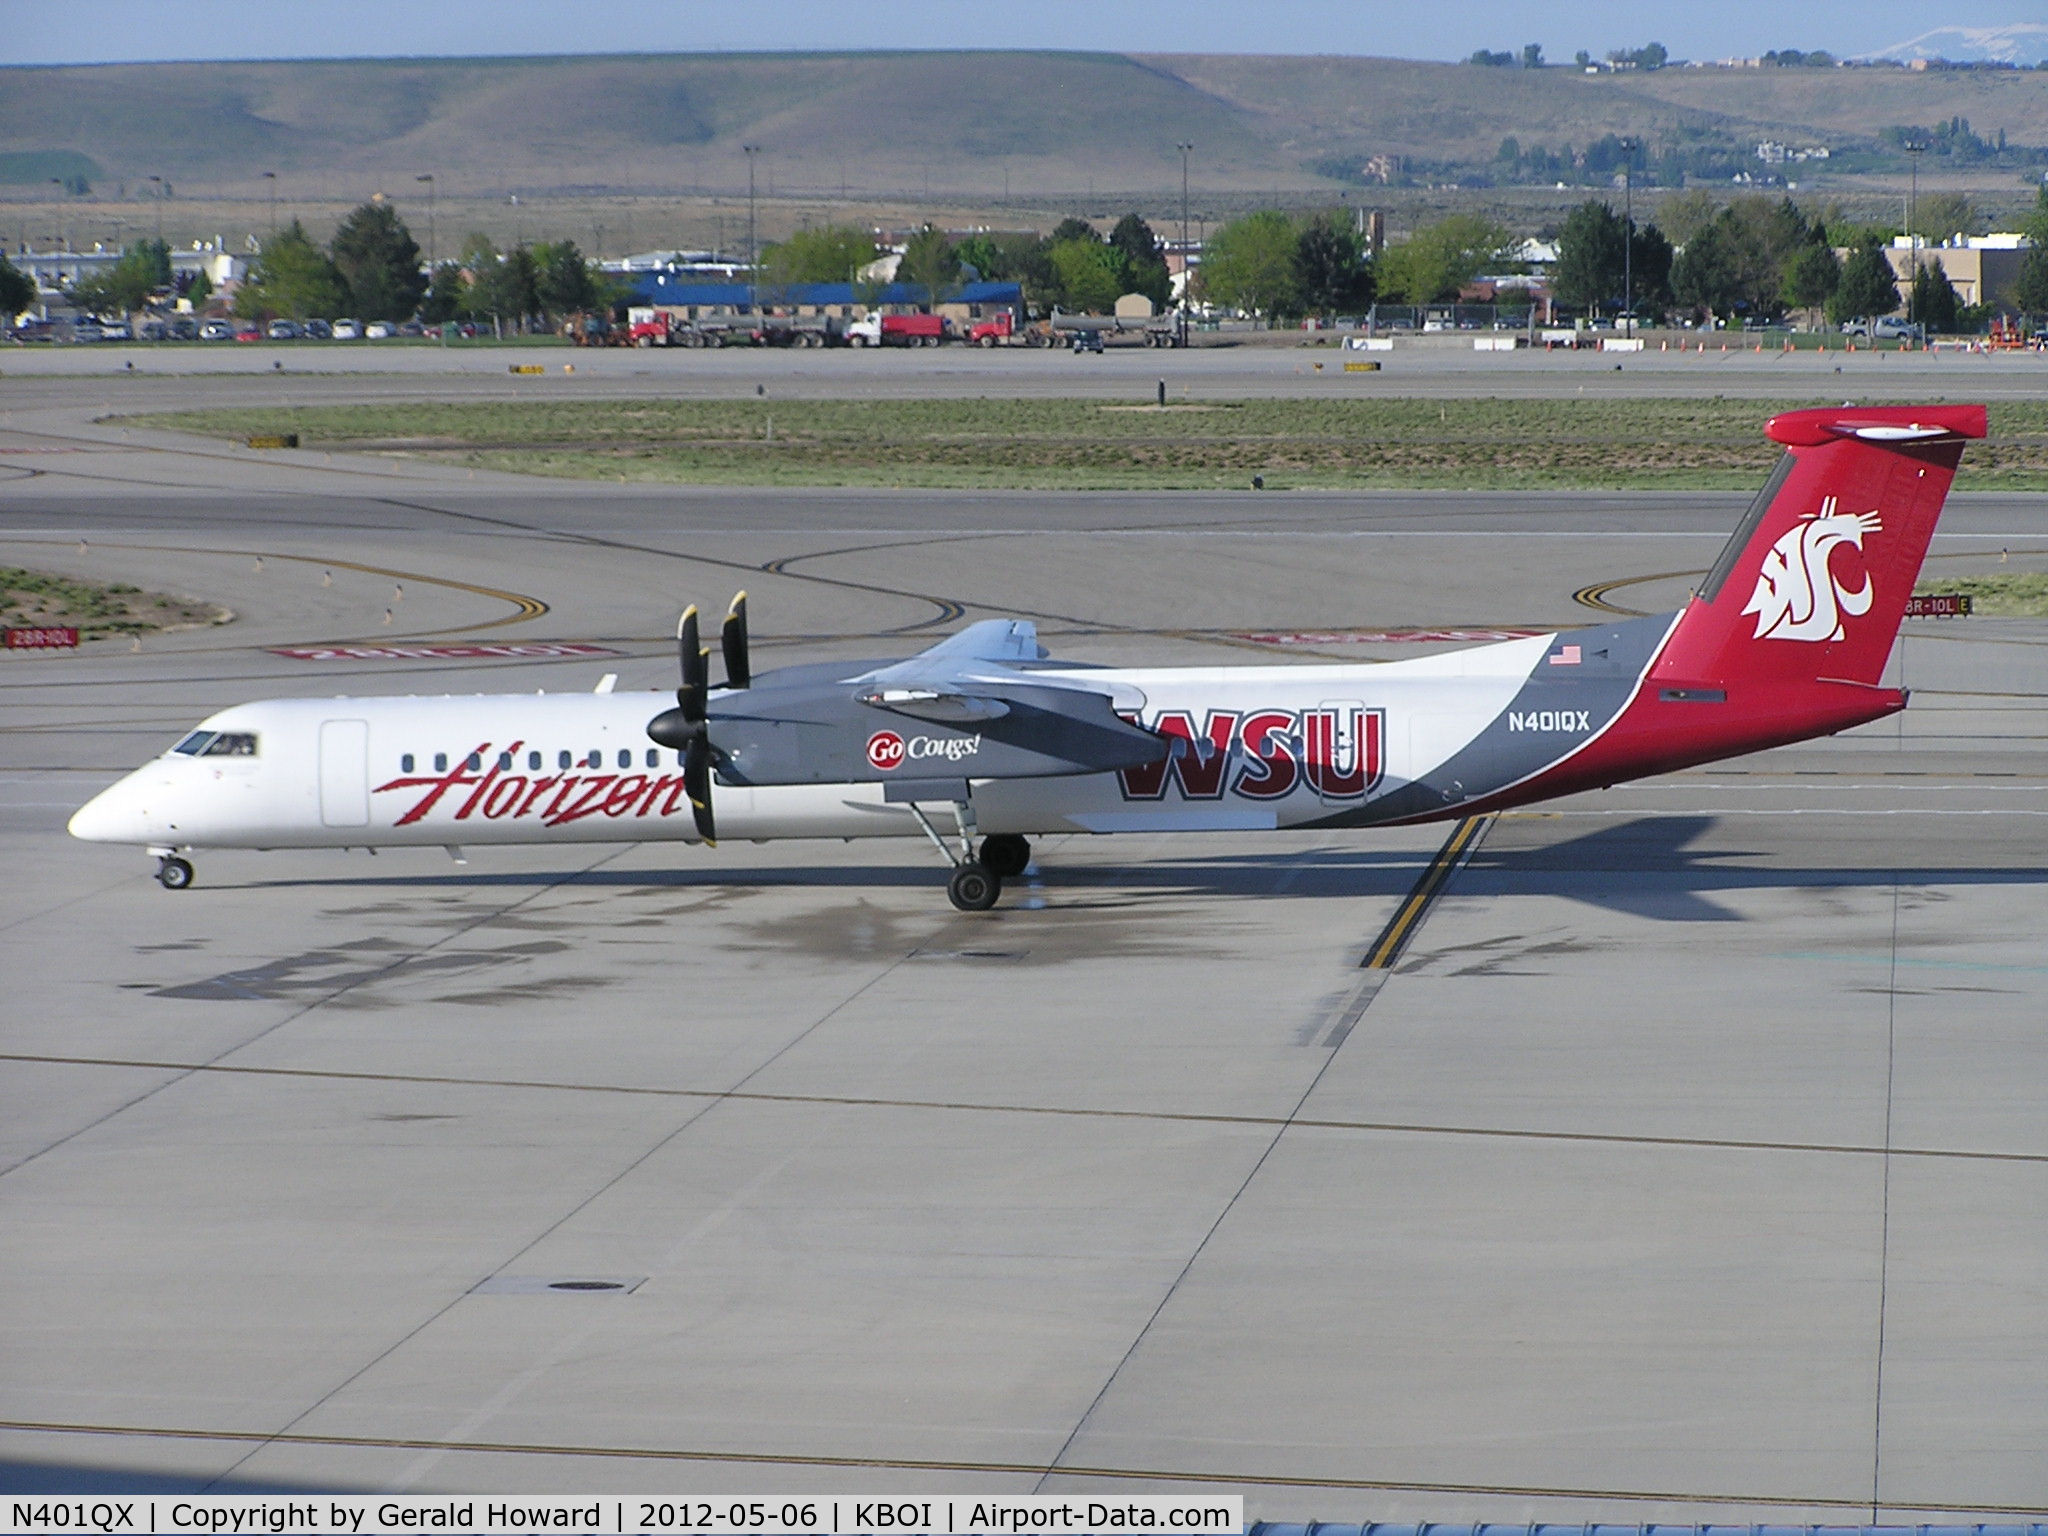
(732, 640)
(683, 728)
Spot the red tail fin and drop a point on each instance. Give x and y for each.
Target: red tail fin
(1813, 585)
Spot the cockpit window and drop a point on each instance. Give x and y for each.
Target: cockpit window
(232, 744)
(194, 744)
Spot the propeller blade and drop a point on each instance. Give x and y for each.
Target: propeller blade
(695, 675)
(697, 784)
(732, 640)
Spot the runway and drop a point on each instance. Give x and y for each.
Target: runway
(1688, 1165)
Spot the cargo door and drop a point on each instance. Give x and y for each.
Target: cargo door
(345, 773)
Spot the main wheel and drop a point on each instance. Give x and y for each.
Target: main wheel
(974, 888)
(1005, 855)
(174, 874)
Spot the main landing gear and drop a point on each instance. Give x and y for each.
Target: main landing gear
(173, 873)
(976, 883)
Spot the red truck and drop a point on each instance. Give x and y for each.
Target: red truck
(875, 330)
(1002, 330)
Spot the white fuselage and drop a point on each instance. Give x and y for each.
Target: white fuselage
(572, 768)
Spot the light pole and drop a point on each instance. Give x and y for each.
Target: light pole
(433, 252)
(63, 219)
(1187, 271)
(271, 177)
(1628, 238)
(753, 251)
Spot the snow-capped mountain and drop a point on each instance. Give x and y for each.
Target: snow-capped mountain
(2024, 42)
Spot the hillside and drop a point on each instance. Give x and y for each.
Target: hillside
(942, 123)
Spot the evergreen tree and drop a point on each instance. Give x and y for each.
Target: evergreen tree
(1145, 258)
(2030, 293)
(1330, 276)
(1590, 248)
(1931, 302)
(17, 289)
(1867, 288)
(562, 280)
(380, 262)
(447, 295)
(1811, 277)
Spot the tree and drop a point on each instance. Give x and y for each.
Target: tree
(1812, 276)
(1939, 215)
(1441, 258)
(447, 295)
(292, 276)
(562, 280)
(1019, 258)
(1931, 301)
(1685, 214)
(1091, 275)
(201, 289)
(1590, 252)
(380, 262)
(1703, 277)
(1532, 55)
(929, 262)
(143, 271)
(1489, 60)
(2030, 292)
(17, 289)
(1867, 287)
(1249, 264)
(500, 286)
(1330, 274)
(830, 253)
(1071, 229)
(1145, 259)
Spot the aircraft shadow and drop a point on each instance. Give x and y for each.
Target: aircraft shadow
(1650, 867)
(49, 1477)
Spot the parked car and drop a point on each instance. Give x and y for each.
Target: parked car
(88, 330)
(116, 330)
(217, 330)
(318, 330)
(1883, 328)
(248, 330)
(152, 330)
(348, 330)
(1087, 341)
(185, 328)
(412, 328)
(35, 330)
(379, 330)
(284, 330)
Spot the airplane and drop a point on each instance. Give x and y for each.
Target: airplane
(984, 741)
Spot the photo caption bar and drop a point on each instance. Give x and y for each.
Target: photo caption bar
(249, 1515)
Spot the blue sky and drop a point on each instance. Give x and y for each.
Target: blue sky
(114, 30)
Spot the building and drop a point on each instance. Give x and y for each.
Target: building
(1983, 269)
(839, 301)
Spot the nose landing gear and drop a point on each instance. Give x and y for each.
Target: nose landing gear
(173, 873)
(973, 887)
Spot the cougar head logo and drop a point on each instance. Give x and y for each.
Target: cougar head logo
(1797, 597)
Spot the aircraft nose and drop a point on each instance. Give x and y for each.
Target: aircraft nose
(111, 816)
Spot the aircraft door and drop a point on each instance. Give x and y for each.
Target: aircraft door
(345, 773)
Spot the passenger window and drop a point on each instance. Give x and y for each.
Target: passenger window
(504, 762)
(440, 762)
(232, 744)
(625, 757)
(533, 762)
(595, 760)
(405, 763)
(476, 761)
(653, 758)
(562, 760)
(194, 744)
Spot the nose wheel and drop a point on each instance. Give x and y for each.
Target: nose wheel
(973, 887)
(173, 873)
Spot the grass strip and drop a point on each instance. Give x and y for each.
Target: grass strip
(1063, 444)
(34, 599)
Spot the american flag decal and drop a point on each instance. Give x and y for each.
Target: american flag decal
(1568, 657)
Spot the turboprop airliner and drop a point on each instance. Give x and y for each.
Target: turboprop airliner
(983, 741)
